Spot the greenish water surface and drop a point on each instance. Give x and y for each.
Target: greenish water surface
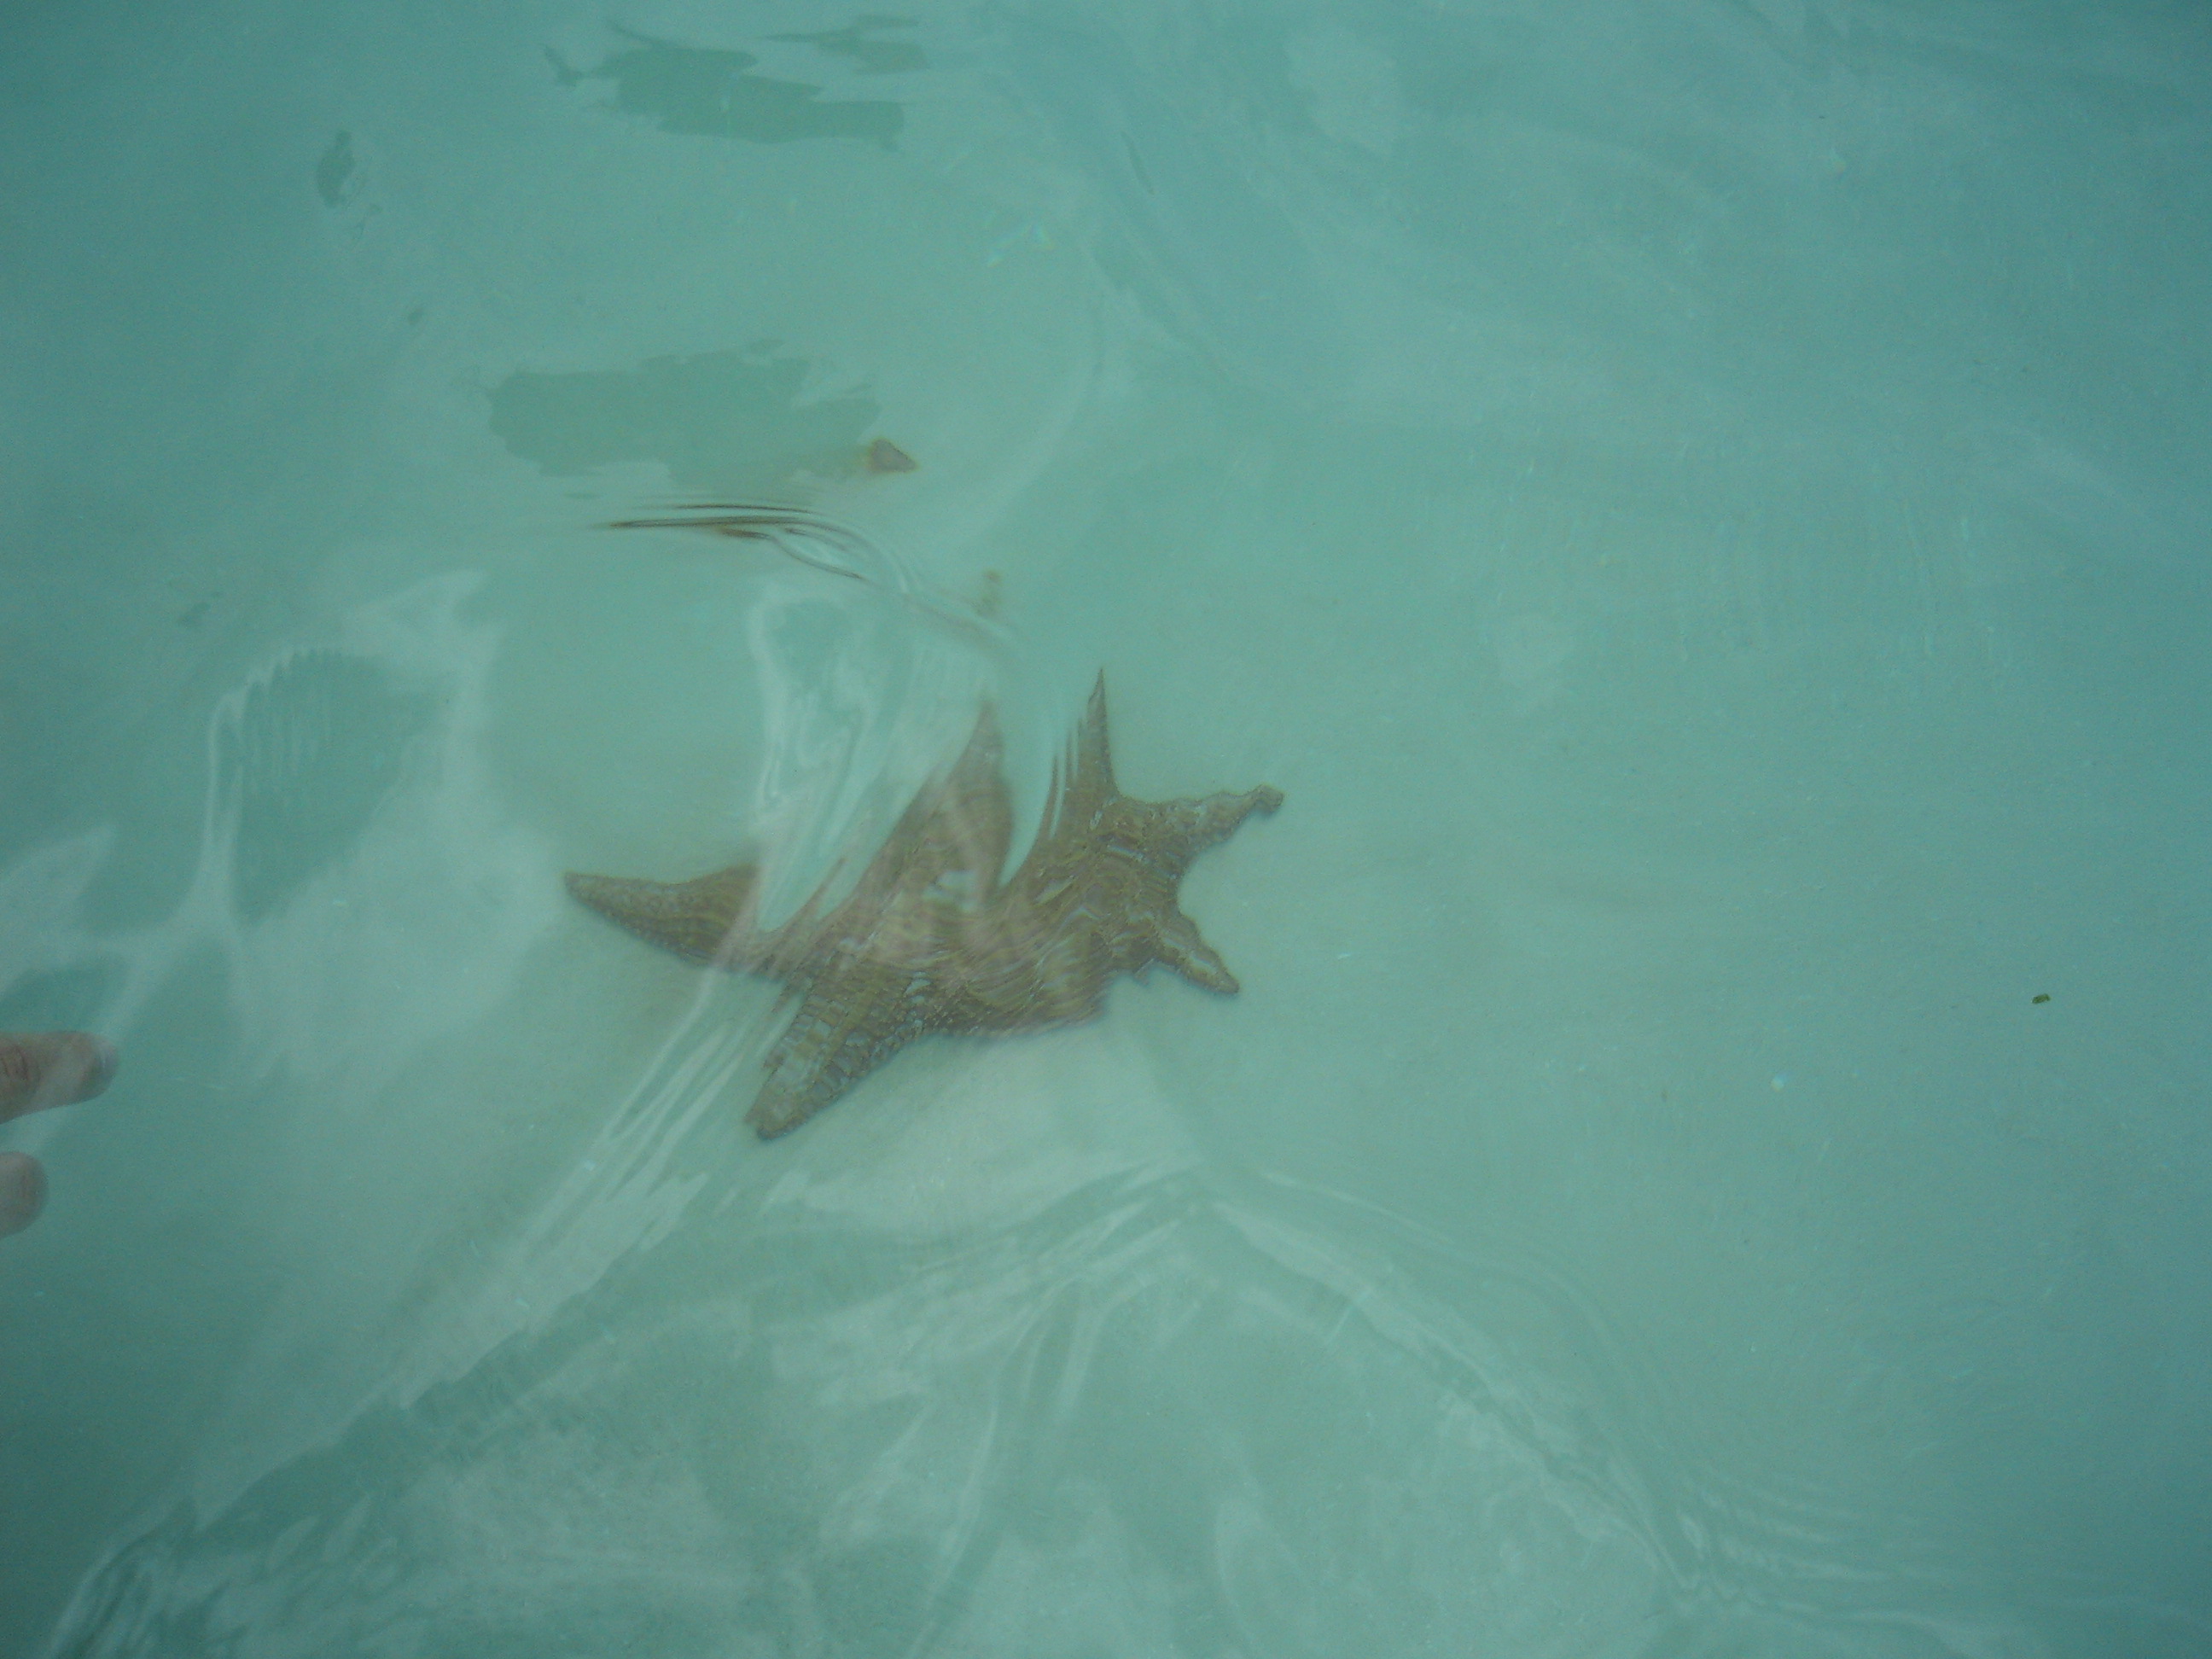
(1702, 509)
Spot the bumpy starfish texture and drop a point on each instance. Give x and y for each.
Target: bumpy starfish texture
(931, 940)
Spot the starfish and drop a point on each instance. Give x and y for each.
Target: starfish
(931, 938)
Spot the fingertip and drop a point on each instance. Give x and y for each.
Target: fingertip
(22, 1191)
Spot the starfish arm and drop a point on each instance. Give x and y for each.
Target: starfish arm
(1176, 943)
(707, 920)
(852, 1020)
(1172, 832)
(1082, 784)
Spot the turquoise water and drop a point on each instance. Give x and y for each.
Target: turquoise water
(1700, 507)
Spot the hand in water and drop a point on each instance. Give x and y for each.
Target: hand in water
(39, 1069)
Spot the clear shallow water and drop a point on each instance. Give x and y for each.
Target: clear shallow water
(1700, 511)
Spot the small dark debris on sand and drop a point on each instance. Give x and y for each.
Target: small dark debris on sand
(884, 456)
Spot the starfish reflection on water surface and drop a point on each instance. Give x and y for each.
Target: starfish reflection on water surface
(930, 939)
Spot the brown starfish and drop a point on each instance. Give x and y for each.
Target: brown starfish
(930, 938)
